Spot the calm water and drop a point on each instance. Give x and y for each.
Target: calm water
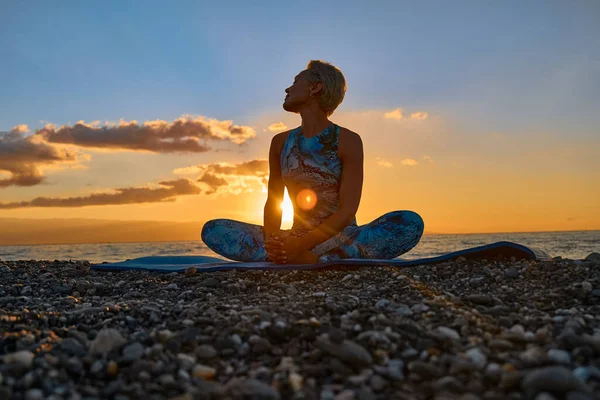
(573, 245)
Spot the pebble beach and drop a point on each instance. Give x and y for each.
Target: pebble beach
(504, 329)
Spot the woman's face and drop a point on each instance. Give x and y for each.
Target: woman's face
(297, 94)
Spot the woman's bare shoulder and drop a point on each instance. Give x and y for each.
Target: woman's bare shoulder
(279, 139)
(349, 138)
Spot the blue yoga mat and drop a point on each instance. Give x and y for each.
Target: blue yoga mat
(211, 264)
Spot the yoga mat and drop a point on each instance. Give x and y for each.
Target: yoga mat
(210, 264)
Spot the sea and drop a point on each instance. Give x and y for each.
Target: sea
(574, 245)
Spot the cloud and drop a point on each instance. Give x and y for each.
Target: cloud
(409, 162)
(233, 178)
(420, 115)
(184, 135)
(428, 158)
(384, 162)
(213, 181)
(277, 127)
(168, 191)
(396, 114)
(23, 157)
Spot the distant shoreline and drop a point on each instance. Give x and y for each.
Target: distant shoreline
(198, 240)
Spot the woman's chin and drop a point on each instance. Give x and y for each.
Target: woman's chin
(289, 107)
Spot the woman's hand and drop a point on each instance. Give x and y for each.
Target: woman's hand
(282, 247)
(274, 248)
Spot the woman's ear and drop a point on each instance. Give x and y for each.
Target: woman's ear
(317, 87)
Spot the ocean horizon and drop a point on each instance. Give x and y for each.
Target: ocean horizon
(566, 244)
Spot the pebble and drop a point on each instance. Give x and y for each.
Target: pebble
(106, 341)
(448, 333)
(551, 379)
(511, 273)
(479, 299)
(347, 351)
(205, 351)
(133, 351)
(34, 394)
(559, 356)
(264, 334)
(22, 359)
(203, 371)
(477, 357)
(210, 282)
(240, 388)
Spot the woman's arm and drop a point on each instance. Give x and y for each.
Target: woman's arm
(272, 212)
(351, 154)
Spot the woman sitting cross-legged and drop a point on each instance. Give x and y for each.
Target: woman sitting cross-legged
(321, 164)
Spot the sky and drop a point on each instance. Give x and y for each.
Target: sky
(479, 116)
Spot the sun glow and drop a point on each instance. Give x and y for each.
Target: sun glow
(287, 208)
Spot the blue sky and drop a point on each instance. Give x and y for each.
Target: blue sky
(501, 63)
(511, 92)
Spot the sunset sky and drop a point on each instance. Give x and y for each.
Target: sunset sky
(480, 116)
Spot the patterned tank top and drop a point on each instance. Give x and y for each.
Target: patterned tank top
(312, 171)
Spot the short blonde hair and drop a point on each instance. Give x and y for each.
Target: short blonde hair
(334, 84)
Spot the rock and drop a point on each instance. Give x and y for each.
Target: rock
(240, 388)
(477, 357)
(347, 351)
(133, 351)
(544, 396)
(500, 344)
(106, 341)
(377, 383)
(447, 383)
(479, 299)
(552, 379)
(186, 361)
(493, 371)
(533, 356)
(296, 381)
(112, 368)
(205, 351)
(586, 287)
(72, 347)
(424, 369)
(34, 394)
(172, 286)
(204, 372)
(448, 333)
(403, 310)
(210, 282)
(22, 359)
(382, 304)
(511, 273)
(559, 356)
(579, 396)
(395, 369)
(26, 291)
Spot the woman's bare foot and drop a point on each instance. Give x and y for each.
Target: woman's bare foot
(306, 257)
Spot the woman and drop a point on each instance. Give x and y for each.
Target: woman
(321, 164)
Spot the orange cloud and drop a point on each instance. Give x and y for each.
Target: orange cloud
(184, 135)
(421, 115)
(23, 157)
(396, 114)
(409, 162)
(428, 158)
(277, 127)
(235, 178)
(384, 163)
(167, 193)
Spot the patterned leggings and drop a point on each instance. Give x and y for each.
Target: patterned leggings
(387, 237)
